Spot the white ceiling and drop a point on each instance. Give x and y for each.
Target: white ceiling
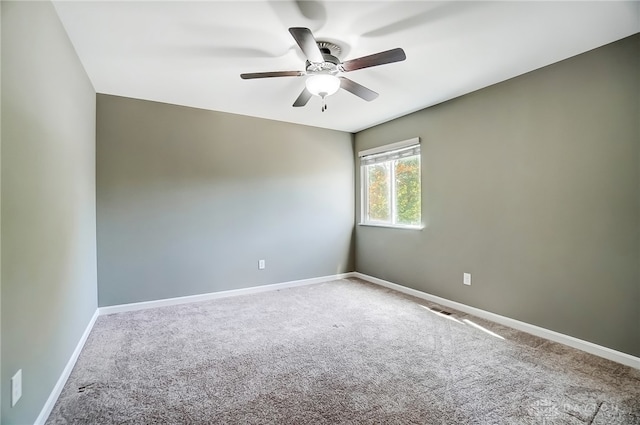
(192, 53)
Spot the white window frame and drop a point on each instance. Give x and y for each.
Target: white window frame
(364, 186)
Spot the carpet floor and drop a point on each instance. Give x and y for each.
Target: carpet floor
(340, 352)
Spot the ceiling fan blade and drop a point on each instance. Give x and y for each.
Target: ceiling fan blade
(307, 43)
(252, 75)
(303, 98)
(313, 10)
(311, 13)
(357, 89)
(389, 56)
(431, 13)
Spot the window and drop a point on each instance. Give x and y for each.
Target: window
(390, 182)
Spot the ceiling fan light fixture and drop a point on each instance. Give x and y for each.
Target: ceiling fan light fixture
(322, 85)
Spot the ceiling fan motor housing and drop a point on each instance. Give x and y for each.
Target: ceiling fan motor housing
(331, 62)
(326, 67)
(329, 47)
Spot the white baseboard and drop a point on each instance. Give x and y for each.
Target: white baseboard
(216, 295)
(57, 389)
(589, 347)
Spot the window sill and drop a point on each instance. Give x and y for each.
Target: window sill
(391, 226)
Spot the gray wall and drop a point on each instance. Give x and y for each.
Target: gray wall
(49, 290)
(189, 200)
(531, 185)
(0, 213)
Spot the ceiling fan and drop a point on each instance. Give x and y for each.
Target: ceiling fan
(324, 70)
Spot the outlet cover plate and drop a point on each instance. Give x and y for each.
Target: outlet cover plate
(261, 264)
(16, 387)
(466, 279)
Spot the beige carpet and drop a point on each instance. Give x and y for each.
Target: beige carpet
(344, 352)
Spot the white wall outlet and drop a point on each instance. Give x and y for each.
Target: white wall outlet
(16, 387)
(466, 279)
(261, 264)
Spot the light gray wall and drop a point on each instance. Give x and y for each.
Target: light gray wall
(531, 185)
(1, 380)
(49, 289)
(189, 200)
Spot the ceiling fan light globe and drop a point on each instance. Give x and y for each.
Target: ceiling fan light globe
(322, 84)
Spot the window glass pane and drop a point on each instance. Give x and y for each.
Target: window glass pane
(391, 185)
(407, 181)
(378, 194)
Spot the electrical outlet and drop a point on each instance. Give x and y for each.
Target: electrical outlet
(467, 279)
(261, 264)
(16, 387)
